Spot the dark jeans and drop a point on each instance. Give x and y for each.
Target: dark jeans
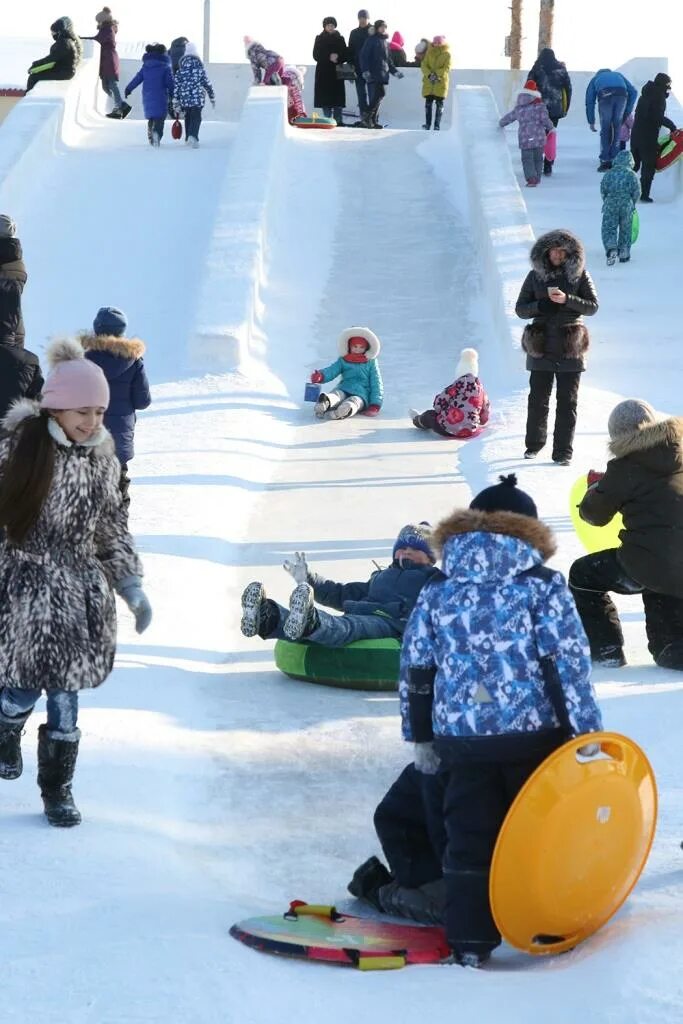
(611, 110)
(644, 161)
(155, 124)
(193, 120)
(478, 795)
(339, 630)
(567, 393)
(429, 102)
(592, 577)
(124, 486)
(111, 87)
(62, 708)
(335, 112)
(362, 94)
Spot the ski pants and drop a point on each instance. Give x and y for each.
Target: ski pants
(430, 101)
(532, 162)
(644, 160)
(62, 709)
(567, 391)
(617, 222)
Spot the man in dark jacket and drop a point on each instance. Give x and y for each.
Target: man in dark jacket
(121, 361)
(643, 481)
(649, 117)
(555, 86)
(375, 609)
(63, 58)
(329, 53)
(13, 278)
(357, 39)
(376, 66)
(557, 293)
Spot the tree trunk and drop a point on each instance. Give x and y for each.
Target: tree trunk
(545, 24)
(516, 35)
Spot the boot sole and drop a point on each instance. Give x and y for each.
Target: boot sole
(300, 604)
(252, 597)
(12, 773)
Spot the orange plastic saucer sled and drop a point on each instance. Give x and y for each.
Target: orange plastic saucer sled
(573, 844)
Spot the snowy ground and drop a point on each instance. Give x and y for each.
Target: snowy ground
(211, 786)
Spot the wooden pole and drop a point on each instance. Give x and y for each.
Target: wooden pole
(207, 30)
(516, 35)
(545, 24)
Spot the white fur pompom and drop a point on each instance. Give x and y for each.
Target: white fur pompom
(468, 363)
(63, 350)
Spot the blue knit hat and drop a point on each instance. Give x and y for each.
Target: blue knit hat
(505, 497)
(110, 320)
(415, 536)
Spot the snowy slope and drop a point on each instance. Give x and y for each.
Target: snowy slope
(211, 786)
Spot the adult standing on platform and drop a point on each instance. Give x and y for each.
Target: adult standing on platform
(357, 39)
(329, 53)
(616, 98)
(377, 65)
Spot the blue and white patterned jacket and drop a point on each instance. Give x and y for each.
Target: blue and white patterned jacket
(190, 84)
(473, 643)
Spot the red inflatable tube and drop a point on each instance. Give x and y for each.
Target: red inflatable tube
(670, 151)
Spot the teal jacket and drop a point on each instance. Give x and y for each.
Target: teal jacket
(362, 379)
(621, 183)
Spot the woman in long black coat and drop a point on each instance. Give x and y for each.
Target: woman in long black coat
(329, 53)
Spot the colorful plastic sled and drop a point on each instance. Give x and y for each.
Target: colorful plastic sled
(671, 149)
(593, 538)
(314, 121)
(573, 845)
(313, 932)
(362, 665)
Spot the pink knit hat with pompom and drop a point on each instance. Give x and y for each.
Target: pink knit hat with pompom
(439, 41)
(73, 381)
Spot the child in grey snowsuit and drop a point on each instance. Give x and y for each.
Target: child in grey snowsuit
(534, 122)
(620, 191)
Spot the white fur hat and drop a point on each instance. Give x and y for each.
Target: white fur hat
(468, 363)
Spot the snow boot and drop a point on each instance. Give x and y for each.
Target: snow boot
(343, 410)
(646, 199)
(303, 616)
(563, 460)
(56, 766)
(531, 182)
(437, 119)
(368, 879)
(322, 407)
(611, 257)
(528, 454)
(466, 959)
(671, 656)
(611, 656)
(115, 114)
(11, 764)
(124, 110)
(260, 615)
(547, 167)
(155, 140)
(193, 142)
(624, 257)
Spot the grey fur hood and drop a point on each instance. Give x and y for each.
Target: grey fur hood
(574, 265)
(668, 433)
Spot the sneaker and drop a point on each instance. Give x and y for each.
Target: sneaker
(646, 199)
(563, 460)
(368, 879)
(301, 609)
(253, 597)
(528, 454)
(611, 257)
(322, 407)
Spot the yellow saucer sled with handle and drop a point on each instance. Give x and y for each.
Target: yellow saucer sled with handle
(593, 538)
(573, 844)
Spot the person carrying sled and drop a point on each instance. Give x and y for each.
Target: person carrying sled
(555, 86)
(157, 89)
(376, 66)
(643, 481)
(110, 66)
(462, 409)
(436, 75)
(535, 125)
(62, 61)
(620, 191)
(373, 609)
(360, 388)
(650, 116)
(480, 654)
(65, 550)
(191, 85)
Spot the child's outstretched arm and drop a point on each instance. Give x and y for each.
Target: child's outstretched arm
(508, 118)
(134, 83)
(335, 369)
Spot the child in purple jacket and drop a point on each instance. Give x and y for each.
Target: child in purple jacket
(534, 122)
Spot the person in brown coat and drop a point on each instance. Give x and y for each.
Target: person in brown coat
(643, 481)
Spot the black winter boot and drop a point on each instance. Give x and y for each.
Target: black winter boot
(56, 765)
(547, 167)
(437, 117)
(11, 764)
(368, 879)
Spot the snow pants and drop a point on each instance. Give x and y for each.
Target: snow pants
(62, 709)
(592, 578)
(567, 391)
(617, 221)
(430, 101)
(644, 160)
(532, 163)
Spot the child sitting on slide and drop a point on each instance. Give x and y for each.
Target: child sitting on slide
(360, 388)
(461, 409)
(375, 609)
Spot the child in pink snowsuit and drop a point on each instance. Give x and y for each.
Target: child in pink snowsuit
(266, 65)
(292, 77)
(462, 409)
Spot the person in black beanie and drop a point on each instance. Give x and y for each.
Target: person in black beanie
(476, 701)
(649, 117)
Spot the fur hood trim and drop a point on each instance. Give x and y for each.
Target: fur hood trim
(359, 332)
(22, 409)
(126, 348)
(524, 528)
(560, 238)
(26, 409)
(650, 435)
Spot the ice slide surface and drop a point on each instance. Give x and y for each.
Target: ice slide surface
(212, 787)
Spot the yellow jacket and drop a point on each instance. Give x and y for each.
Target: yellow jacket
(436, 61)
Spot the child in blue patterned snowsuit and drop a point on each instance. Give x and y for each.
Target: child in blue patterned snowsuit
(361, 388)
(475, 692)
(190, 84)
(620, 191)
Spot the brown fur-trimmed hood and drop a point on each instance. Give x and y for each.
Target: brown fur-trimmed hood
(489, 547)
(124, 348)
(573, 266)
(665, 433)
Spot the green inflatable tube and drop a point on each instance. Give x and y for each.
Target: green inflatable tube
(363, 665)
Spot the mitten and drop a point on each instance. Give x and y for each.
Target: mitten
(298, 567)
(366, 76)
(426, 759)
(372, 410)
(594, 477)
(317, 377)
(126, 94)
(131, 591)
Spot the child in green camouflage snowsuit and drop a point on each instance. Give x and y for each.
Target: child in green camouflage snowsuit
(620, 191)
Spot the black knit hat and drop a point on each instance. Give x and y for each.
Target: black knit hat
(505, 497)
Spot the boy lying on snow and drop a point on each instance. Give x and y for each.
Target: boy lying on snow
(375, 609)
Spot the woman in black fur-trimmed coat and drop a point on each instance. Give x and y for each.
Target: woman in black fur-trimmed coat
(556, 295)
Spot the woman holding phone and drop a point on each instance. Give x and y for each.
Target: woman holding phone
(556, 295)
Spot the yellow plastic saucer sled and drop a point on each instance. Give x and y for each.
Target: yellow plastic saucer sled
(593, 538)
(573, 844)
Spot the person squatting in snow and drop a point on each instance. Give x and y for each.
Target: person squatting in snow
(156, 77)
(190, 85)
(620, 191)
(535, 125)
(360, 388)
(462, 409)
(643, 481)
(374, 609)
(65, 549)
(473, 691)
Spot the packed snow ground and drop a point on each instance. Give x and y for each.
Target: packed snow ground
(211, 786)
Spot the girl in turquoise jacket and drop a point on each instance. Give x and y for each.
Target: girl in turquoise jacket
(360, 388)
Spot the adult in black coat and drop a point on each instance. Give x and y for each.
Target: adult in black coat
(556, 294)
(555, 86)
(62, 60)
(649, 117)
(329, 53)
(357, 38)
(12, 280)
(20, 375)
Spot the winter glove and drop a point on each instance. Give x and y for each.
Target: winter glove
(594, 477)
(132, 593)
(589, 750)
(433, 78)
(366, 76)
(298, 567)
(372, 410)
(317, 377)
(426, 759)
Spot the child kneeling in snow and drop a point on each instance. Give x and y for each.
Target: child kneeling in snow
(375, 609)
(361, 387)
(461, 409)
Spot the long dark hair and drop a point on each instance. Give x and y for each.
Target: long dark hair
(27, 477)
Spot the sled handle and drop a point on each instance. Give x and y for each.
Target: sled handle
(299, 908)
(380, 963)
